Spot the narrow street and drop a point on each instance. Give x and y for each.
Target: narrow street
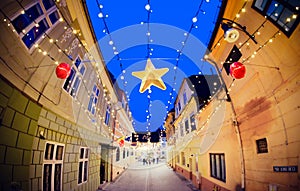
(150, 178)
(194, 95)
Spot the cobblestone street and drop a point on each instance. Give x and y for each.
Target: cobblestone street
(156, 177)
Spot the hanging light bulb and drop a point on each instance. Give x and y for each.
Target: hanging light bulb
(100, 15)
(194, 19)
(147, 7)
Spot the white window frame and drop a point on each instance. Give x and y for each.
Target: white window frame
(218, 166)
(124, 153)
(283, 7)
(107, 115)
(195, 124)
(187, 128)
(181, 126)
(117, 154)
(85, 162)
(179, 106)
(124, 102)
(53, 162)
(182, 156)
(184, 97)
(94, 96)
(78, 75)
(45, 15)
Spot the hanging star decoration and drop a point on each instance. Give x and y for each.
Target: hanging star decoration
(151, 76)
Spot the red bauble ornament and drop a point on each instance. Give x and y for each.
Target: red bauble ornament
(63, 70)
(237, 70)
(121, 142)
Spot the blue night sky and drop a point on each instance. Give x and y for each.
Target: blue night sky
(166, 33)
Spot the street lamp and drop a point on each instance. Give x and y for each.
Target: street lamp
(231, 30)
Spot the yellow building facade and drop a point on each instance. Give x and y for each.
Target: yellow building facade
(251, 142)
(57, 134)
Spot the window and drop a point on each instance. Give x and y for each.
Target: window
(124, 103)
(179, 107)
(181, 130)
(107, 115)
(83, 165)
(186, 124)
(193, 122)
(182, 158)
(283, 13)
(262, 146)
(52, 167)
(54, 17)
(48, 4)
(35, 21)
(73, 81)
(217, 166)
(184, 98)
(124, 153)
(94, 97)
(118, 154)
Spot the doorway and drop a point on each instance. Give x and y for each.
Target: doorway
(104, 165)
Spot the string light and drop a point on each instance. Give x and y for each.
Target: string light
(115, 50)
(194, 19)
(149, 53)
(257, 32)
(221, 101)
(147, 7)
(270, 40)
(45, 53)
(179, 51)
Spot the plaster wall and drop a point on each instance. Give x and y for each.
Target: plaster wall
(266, 100)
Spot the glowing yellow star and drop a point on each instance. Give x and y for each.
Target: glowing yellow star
(151, 76)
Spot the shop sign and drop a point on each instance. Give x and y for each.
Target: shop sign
(285, 168)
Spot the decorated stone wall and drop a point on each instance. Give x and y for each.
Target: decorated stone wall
(25, 129)
(38, 112)
(19, 127)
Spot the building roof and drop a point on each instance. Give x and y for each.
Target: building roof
(203, 86)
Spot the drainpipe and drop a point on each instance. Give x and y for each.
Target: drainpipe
(235, 122)
(116, 108)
